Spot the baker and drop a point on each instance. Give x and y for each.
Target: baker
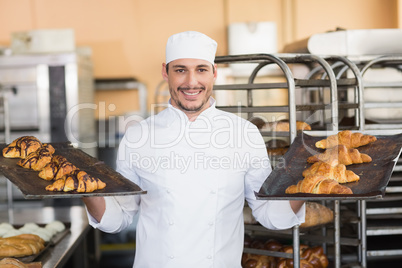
(198, 165)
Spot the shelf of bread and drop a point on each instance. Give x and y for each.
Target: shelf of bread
(23, 244)
(280, 255)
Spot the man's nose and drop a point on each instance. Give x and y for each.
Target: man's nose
(192, 80)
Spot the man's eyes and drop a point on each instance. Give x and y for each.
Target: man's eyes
(201, 70)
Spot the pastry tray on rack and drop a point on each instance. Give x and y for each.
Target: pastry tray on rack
(33, 187)
(374, 176)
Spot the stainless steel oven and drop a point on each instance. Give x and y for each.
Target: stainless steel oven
(53, 99)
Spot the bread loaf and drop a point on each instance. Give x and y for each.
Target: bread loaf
(21, 245)
(317, 214)
(14, 263)
(283, 125)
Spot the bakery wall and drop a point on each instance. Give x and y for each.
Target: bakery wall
(127, 37)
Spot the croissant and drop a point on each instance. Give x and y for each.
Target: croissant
(337, 172)
(77, 180)
(22, 147)
(318, 184)
(347, 138)
(57, 185)
(38, 159)
(57, 168)
(341, 155)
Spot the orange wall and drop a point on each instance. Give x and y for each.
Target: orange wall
(127, 37)
(316, 16)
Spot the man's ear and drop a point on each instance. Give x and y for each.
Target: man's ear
(164, 73)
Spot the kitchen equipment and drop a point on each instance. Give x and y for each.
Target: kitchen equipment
(43, 41)
(54, 97)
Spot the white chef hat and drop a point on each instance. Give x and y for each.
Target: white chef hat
(190, 45)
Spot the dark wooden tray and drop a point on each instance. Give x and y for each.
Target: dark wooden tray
(374, 176)
(33, 187)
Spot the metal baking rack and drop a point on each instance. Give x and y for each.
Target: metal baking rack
(349, 80)
(326, 75)
(5, 115)
(249, 109)
(383, 216)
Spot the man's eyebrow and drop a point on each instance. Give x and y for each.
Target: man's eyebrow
(203, 65)
(184, 66)
(179, 66)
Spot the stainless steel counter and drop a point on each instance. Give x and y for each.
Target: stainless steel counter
(78, 248)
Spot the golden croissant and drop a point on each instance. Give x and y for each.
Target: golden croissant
(22, 147)
(334, 172)
(341, 155)
(77, 180)
(38, 159)
(57, 168)
(347, 138)
(318, 184)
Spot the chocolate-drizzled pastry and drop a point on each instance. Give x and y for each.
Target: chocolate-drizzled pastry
(39, 159)
(77, 180)
(57, 168)
(22, 147)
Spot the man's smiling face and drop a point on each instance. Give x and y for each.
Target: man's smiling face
(190, 84)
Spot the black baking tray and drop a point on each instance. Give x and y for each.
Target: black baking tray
(33, 187)
(374, 176)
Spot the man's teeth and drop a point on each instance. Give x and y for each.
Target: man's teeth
(191, 94)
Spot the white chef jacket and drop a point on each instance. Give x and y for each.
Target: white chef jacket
(197, 176)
